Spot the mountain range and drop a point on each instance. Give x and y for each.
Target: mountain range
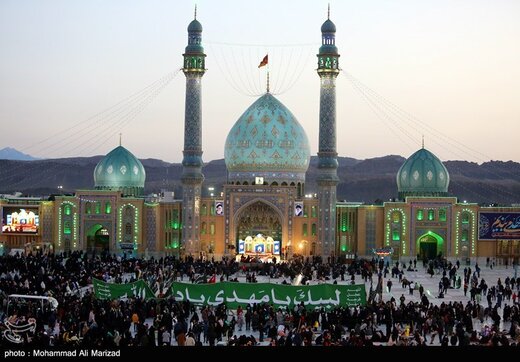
(8, 153)
(371, 180)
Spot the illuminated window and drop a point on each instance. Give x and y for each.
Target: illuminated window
(128, 229)
(313, 211)
(204, 210)
(343, 226)
(88, 208)
(304, 230)
(98, 207)
(313, 230)
(174, 219)
(395, 235)
(465, 217)
(431, 215)
(305, 211)
(420, 215)
(442, 214)
(67, 228)
(212, 228)
(203, 228)
(67, 209)
(464, 235)
(396, 217)
(212, 210)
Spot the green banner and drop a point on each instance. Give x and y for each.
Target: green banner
(138, 289)
(235, 294)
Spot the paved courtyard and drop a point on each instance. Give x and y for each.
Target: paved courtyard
(430, 285)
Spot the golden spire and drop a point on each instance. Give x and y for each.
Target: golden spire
(120, 134)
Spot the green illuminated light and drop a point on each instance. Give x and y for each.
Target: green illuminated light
(391, 219)
(463, 217)
(420, 215)
(65, 208)
(120, 223)
(431, 215)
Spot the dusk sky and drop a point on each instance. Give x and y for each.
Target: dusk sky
(74, 74)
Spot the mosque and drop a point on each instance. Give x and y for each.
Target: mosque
(263, 210)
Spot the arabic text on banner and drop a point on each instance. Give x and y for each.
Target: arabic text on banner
(235, 294)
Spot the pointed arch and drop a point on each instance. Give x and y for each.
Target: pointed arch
(250, 202)
(431, 237)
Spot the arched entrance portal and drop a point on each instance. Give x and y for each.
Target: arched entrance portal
(430, 245)
(98, 238)
(259, 231)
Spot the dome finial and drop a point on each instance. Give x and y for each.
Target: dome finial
(423, 142)
(195, 15)
(267, 81)
(120, 134)
(328, 12)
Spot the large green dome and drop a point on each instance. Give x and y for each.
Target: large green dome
(120, 170)
(422, 174)
(267, 141)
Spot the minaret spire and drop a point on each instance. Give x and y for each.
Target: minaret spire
(120, 134)
(423, 141)
(327, 179)
(267, 81)
(192, 176)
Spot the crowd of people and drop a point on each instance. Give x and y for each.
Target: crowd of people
(81, 319)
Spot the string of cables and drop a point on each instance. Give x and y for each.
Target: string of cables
(87, 135)
(238, 65)
(408, 129)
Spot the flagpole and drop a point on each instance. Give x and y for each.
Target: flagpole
(264, 62)
(268, 74)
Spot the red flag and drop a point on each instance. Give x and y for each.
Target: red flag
(264, 61)
(213, 279)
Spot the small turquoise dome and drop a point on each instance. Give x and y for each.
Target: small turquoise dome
(120, 170)
(423, 174)
(195, 27)
(267, 141)
(328, 27)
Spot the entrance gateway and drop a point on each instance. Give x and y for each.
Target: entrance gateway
(259, 232)
(430, 245)
(98, 238)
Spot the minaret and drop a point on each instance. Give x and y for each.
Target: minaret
(192, 177)
(327, 179)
